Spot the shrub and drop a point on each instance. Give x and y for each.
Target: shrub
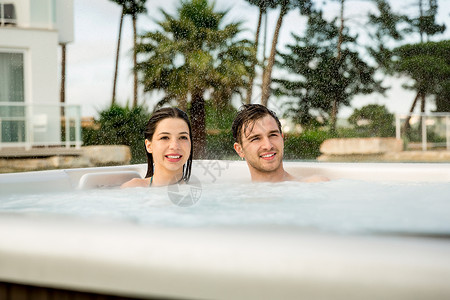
(373, 120)
(305, 145)
(219, 145)
(120, 126)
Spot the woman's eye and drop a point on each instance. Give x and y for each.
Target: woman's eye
(164, 138)
(184, 137)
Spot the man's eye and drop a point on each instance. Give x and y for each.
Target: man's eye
(254, 139)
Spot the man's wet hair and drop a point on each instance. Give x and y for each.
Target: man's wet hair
(247, 115)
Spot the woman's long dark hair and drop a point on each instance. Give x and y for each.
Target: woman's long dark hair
(159, 115)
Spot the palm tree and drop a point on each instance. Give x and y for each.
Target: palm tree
(263, 5)
(116, 67)
(133, 8)
(285, 6)
(192, 54)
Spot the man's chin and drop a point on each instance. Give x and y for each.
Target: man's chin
(268, 166)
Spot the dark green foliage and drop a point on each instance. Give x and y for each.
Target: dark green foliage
(373, 120)
(305, 145)
(429, 65)
(425, 22)
(322, 78)
(384, 27)
(297, 146)
(132, 7)
(219, 145)
(219, 139)
(120, 126)
(219, 118)
(194, 52)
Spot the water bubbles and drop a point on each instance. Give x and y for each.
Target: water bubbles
(343, 206)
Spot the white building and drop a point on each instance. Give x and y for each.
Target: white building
(30, 34)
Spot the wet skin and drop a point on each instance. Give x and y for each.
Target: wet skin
(170, 147)
(262, 147)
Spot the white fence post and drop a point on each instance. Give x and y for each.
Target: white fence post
(424, 133)
(447, 131)
(397, 126)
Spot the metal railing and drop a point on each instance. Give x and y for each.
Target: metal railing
(421, 126)
(39, 124)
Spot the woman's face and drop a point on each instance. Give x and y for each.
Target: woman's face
(170, 145)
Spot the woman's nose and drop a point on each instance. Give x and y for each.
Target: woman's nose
(174, 144)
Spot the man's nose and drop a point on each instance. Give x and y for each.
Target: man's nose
(266, 143)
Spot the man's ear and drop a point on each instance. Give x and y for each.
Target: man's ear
(238, 149)
(148, 146)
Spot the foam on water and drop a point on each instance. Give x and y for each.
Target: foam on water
(345, 206)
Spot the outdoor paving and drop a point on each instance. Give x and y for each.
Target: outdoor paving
(39, 152)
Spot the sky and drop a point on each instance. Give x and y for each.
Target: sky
(91, 56)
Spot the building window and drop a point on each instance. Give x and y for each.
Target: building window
(7, 14)
(12, 111)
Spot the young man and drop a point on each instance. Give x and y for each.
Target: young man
(259, 140)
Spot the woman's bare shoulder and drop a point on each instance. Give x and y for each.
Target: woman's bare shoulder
(136, 182)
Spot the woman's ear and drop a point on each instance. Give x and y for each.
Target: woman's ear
(238, 149)
(148, 146)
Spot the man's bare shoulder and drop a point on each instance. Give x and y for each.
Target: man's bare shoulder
(135, 182)
(314, 178)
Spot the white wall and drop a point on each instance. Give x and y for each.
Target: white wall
(40, 14)
(65, 20)
(40, 68)
(22, 8)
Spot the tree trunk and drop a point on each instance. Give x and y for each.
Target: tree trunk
(406, 125)
(335, 106)
(62, 96)
(421, 16)
(271, 61)
(182, 102)
(113, 99)
(422, 109)
(341, 33)
(248, 99)
(135, 86)
(333, 117)
(198, 124)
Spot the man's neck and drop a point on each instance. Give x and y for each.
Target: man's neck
(278, 175)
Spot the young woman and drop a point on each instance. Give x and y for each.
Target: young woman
(169, 149)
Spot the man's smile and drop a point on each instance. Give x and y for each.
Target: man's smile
(268, 156)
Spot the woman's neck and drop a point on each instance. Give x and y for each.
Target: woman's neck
(164, 177)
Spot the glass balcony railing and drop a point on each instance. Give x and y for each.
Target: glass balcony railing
(424, 131)
(36, 125)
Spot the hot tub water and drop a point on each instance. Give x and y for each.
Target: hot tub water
(342, 206)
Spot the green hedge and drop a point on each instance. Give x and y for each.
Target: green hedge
(124, 126)
(220, 145)
(297, 146)
(305, 145)
(120, 126)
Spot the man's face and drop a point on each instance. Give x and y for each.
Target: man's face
(262, 145)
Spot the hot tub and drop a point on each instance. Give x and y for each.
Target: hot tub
(387, 238)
